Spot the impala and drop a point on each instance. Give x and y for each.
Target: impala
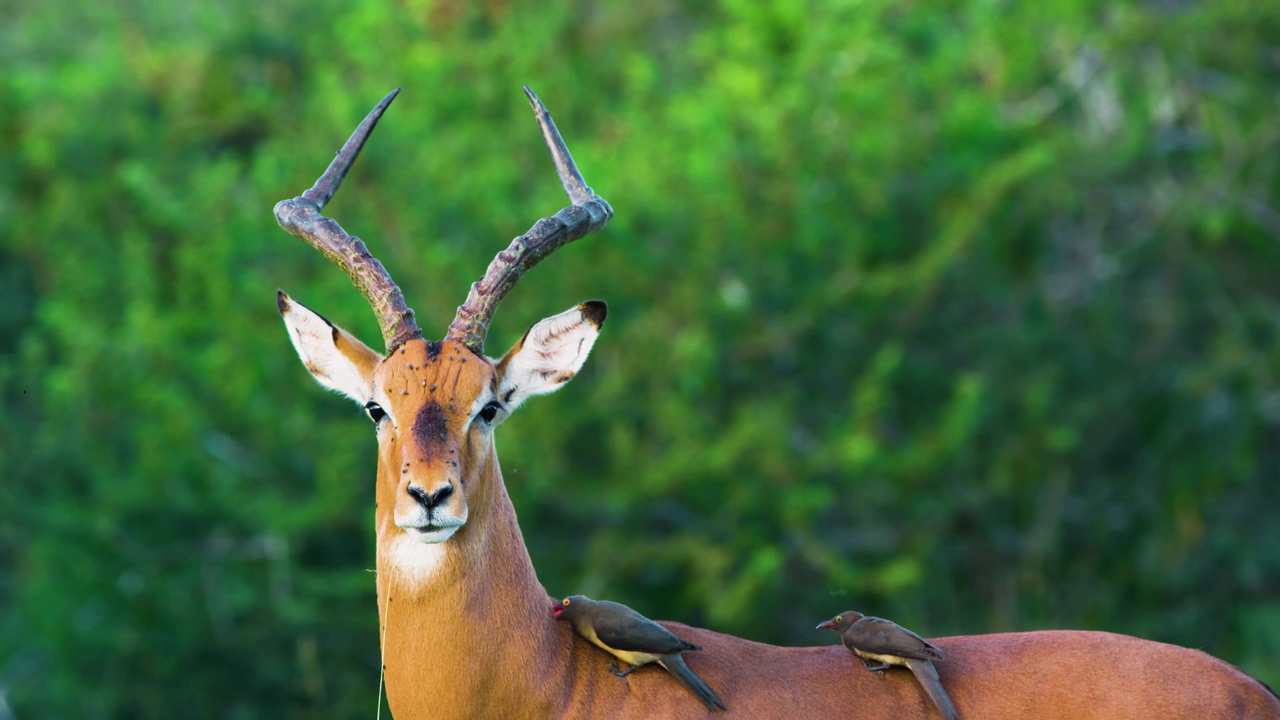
(466, 626)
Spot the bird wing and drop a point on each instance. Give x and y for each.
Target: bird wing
(622, 628)
(876, 635)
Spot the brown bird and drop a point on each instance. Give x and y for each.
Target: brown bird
(873, 638)
(633, 639)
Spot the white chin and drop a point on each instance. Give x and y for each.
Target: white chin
(433, 535)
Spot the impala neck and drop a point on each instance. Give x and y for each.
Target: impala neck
(465, 623)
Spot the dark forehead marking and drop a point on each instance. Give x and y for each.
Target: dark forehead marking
(433, 349)
(431, 429)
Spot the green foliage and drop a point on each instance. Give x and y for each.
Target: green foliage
(964, 314)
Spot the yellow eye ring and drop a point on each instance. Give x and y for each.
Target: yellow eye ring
(839, 619)
(565, 602)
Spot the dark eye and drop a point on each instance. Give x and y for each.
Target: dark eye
(489, 411)
(376, 413)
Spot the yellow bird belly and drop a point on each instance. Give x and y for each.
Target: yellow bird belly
(627, 656)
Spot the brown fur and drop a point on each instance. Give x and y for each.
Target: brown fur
(476, 639)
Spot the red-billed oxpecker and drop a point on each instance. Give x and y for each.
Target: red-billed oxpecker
(633, 639)
(873, 638)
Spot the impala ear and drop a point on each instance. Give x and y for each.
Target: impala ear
(550, 353)
(334, 356)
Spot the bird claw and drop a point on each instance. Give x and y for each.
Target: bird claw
(622, 675)
(877, 669)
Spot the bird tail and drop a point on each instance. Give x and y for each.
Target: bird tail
(674, 664)
(927, 676)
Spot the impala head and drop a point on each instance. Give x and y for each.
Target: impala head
(434, 404)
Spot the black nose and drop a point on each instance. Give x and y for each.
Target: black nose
(429, 501)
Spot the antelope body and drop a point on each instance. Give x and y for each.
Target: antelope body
(466, 631)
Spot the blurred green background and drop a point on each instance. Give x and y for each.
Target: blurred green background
(963, 313)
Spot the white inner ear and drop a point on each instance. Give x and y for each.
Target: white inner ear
(549, 355)
(316, 341)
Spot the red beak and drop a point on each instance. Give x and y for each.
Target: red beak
(555, 611)
(828, 625)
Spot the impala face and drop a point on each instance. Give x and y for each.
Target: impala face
(434, 406)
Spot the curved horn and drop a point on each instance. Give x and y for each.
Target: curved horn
(301, 217)
(588, 213)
